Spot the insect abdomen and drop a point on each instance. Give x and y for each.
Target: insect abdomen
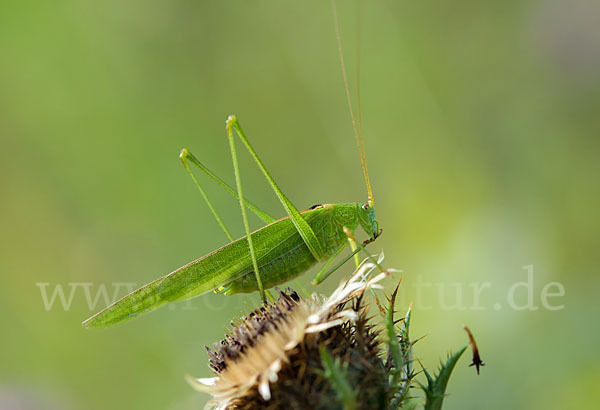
(278, 270)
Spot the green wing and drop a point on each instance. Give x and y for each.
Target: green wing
(205, 274)
(233, 261)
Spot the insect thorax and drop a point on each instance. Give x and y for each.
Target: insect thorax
(346, 215)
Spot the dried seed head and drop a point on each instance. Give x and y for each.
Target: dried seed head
(272, 359)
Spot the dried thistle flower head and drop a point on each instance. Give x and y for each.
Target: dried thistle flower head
(317, 353)
(272, 357)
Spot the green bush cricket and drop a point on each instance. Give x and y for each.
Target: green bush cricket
(271, 255)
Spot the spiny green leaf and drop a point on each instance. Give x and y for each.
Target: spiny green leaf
(436, 388)
(394, 348)
(400, 353)
(406, 344)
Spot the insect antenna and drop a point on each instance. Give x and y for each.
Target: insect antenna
(358, 130)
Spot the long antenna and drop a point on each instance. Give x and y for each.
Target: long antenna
(358, 133)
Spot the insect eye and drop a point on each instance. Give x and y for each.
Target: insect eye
(365, 206)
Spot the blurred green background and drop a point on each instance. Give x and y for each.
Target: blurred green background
(481, 121)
